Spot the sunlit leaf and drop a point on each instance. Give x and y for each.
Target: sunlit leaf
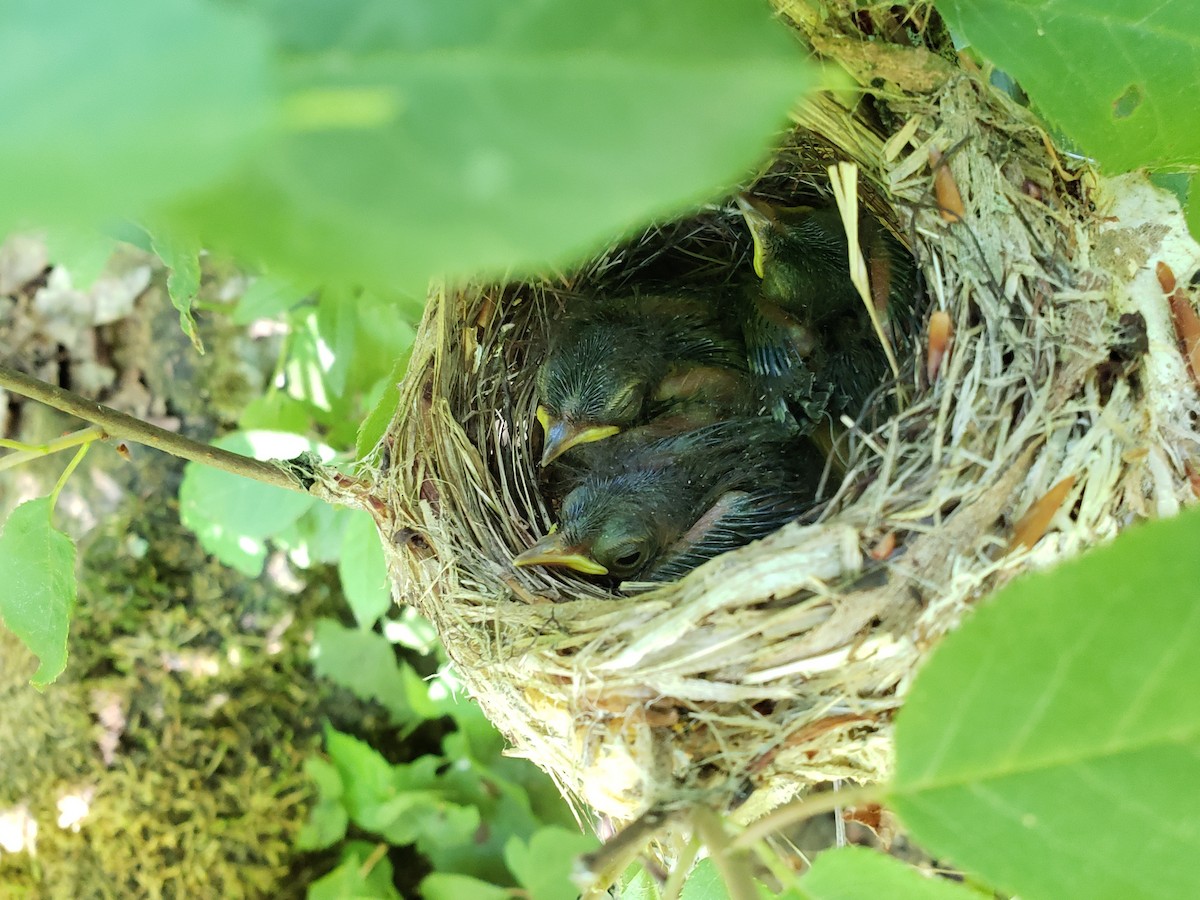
(1118, 78)
(363, 571)
(472, 137)
(37, 592)
(105, 112)
(850, 873)
(1058, 728)
(182, 256)
(543, 864)
(363, 662)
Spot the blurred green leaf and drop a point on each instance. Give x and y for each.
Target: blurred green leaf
(704, 883)
(240, 508)
(387, 395)
(316, 537)
(266, 298)
(83, 252)
(1058, 727)
(366, 776)
(182, 256)
(445, 886)
(363, 662)
(276, 411)
(363, 570)
(1119, 78)
(238, 551)
(37, 592)
(427, 138)
(543, 865)
(347, 881)
(636, 884)
(412, 630)
(327, 822)
(107, 112)
(337, 325)
(849, 873)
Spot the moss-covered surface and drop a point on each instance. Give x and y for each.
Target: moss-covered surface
(183, 721)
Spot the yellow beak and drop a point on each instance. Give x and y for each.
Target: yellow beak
(561, 436)
(551, 551)
(760, 217)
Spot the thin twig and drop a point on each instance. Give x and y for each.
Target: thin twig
(27, 452)
(731, 862)
(806, 808)
(127, 428)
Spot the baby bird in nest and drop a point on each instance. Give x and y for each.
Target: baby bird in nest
(809, 336)
(663, 363)
(653, 511)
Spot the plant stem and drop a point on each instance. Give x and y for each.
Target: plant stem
(806, 808)
(26, 452)
(732, 864)
(127, 428)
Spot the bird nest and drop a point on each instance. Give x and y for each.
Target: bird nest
(1060, 413)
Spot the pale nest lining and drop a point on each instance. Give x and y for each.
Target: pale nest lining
(781, 665)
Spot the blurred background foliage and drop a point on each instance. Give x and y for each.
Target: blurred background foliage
(284, 179)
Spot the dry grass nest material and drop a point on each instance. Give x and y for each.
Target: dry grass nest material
(1061, 413)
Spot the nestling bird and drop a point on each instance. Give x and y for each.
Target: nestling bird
(654, 511)
(808, 335)
(669, 363)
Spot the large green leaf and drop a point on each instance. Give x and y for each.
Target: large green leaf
(850, 873)
(363, 571)
(1118, 77)
(37, 592)
(458, 138)
(1052, 744)
(365, 663)
(233, 515)
(544, 863)
(108, 108)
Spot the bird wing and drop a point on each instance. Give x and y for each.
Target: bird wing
(736, 519)
(782, 351)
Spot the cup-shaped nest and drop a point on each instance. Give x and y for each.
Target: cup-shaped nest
(1041, 406)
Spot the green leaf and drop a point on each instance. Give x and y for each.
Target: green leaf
(347, 881)
(704, 883)
(1058, 728)
(182, 256)
(1192, 211)
(327, 822)
(266, 298)
(37, 592)
(363, 570)
(543, 865)
(82, 252)
(316, 537)
(444, 886)
(338, 329)
(375, 425)
(849, 873)
(637, 884)
(242, 506)
(1118, 78)
(363, 662)
(366, 775)
(106, 113)
(477, 137)
(276, 411)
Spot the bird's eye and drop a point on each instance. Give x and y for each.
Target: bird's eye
(628, 557)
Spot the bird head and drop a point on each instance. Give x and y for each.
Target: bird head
(609, 526)
(763, 224)
(591, 385)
